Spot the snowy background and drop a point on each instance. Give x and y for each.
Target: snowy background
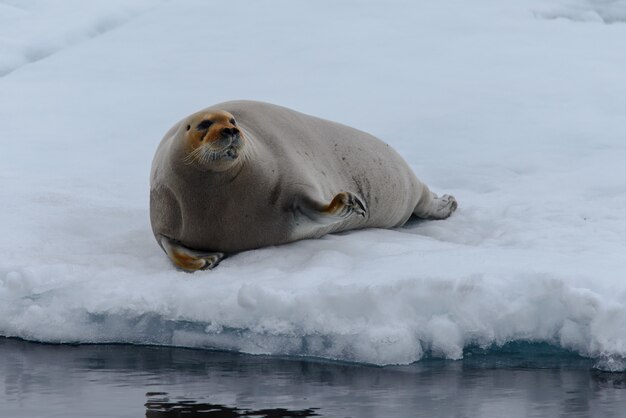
(517, 108)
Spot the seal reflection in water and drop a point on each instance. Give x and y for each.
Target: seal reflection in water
(242, 175)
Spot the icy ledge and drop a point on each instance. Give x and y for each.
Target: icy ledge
(397, 322)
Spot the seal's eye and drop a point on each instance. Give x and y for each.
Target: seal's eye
(204, 125)
(232, 121)
(188, 127)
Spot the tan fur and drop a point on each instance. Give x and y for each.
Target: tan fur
(335, 204)
(186, 262)
(195, 139)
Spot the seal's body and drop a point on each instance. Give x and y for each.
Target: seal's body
(243, 175)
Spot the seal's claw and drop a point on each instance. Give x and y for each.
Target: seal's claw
(187, 259)
(191, 261)
(345, 204)
(211, 260)
(361, 209)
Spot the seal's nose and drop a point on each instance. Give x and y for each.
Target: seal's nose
(228, 132)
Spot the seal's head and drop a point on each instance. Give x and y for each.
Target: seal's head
(212, 141)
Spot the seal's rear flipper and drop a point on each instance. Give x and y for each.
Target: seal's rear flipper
(432, 207)
(187, 259)
(343, 205)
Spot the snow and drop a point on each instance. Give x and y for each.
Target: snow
(516, 108)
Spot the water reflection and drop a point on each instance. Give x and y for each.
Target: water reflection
(159, 405)
(113, 380)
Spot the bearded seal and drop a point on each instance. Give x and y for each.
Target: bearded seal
(242, 175)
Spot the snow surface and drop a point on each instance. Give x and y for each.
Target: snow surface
(516, 108)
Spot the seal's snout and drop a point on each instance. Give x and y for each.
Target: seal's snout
(232, 152)
(230, 132)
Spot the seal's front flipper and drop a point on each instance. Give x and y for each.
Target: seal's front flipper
(187, 259)
(343, 206)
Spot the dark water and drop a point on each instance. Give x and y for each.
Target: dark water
(38, 380)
